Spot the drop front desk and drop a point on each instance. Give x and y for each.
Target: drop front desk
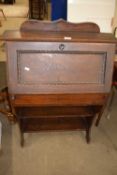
(59, 75)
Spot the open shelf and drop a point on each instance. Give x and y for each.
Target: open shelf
(57, 123)
(52, 111)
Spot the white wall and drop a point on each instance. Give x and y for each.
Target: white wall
(98, 11)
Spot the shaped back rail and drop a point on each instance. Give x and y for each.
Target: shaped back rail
(59, 25)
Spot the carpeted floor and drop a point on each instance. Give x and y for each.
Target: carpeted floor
(59, 153)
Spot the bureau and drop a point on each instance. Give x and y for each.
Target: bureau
(59, 74)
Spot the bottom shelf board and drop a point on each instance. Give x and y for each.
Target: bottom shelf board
(49, 124)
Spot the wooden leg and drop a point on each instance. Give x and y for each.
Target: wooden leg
(89, 123)
(22, 139)
(88, 135)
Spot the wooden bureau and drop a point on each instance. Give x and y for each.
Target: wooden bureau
(59, 74)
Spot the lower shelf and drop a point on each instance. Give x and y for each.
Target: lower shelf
(49, 118)
(57, 123)
(54, 118)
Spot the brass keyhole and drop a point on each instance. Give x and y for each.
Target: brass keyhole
(61, 47)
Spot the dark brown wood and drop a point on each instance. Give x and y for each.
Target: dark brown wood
(59, 37)
(58, 99)
(115, 74)
(59, 25)
(35, 30)
(49, 74)
(50, 111)
(37, 9)
(59, 74)
(55, 118)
